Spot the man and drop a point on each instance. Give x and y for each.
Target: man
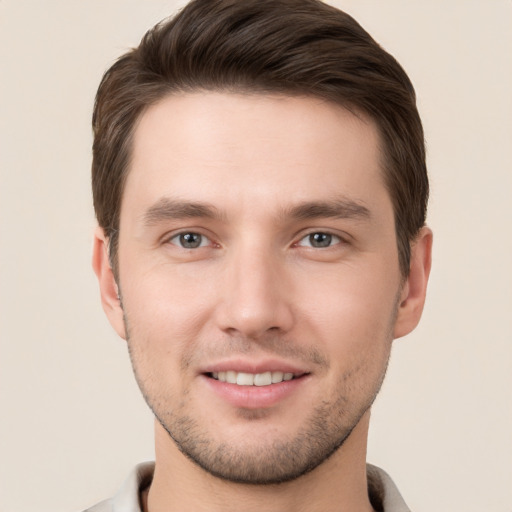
(260, 186)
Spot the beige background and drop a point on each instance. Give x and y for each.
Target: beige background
(72, 422)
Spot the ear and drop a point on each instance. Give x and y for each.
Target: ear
(412, 298)
(108, 287)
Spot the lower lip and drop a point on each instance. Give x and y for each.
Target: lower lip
(255, 397)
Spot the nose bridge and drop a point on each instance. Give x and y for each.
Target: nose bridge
(255, 300)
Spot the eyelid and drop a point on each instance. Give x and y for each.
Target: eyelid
(341, 238)
(169, 237)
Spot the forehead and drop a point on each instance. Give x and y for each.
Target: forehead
(256, 148)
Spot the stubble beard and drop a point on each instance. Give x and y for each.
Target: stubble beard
(276, 462)
(280, 460)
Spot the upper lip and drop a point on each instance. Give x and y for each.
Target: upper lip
(245, 366)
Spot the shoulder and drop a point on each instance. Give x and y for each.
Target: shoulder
(127, 498)
(104, 506)
(384, 494)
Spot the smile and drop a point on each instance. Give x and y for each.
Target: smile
(252, 379)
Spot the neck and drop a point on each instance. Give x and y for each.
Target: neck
(339, 483)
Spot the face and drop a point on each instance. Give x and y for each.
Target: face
(259, 277)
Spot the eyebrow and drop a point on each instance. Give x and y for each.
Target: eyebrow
(169, 209)
(342, 208)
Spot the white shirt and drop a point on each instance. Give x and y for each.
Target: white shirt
(382, 490)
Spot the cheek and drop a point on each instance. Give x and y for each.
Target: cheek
(353, 313)
(162, 332)
(163, 296)
(164, 325)
(351, 297)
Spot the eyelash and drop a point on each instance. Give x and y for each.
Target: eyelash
(179, 238)
(205, 241)
(331, 237)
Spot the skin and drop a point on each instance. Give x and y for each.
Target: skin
(251, 179)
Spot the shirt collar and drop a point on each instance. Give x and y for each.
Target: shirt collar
(381, 489)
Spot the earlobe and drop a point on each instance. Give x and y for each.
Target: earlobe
(414, 289)
(108, 287)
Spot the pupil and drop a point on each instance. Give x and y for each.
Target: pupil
(190, 240)
(320, 239)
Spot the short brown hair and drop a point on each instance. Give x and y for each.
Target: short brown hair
(295, 47)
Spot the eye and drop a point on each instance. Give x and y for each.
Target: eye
(190, 240)
(319, 240)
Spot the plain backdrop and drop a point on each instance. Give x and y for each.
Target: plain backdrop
(72, 422)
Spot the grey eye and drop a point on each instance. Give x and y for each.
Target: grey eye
(319, 240)
(189, 240)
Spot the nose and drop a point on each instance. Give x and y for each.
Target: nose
(256, 294)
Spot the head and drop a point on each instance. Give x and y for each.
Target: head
(292, 47)
(259, 181)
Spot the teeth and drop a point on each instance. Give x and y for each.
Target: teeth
(245, 379)
(252, 379)
(263, 379)
(277, 377)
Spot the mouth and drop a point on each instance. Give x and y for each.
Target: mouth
(255, 385)
(253, 379)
